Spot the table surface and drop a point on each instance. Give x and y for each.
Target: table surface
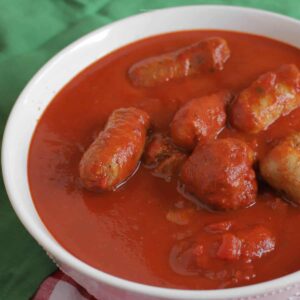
(31, 32)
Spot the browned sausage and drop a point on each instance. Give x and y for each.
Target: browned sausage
(272, 95)
(205, 56)
(199, 120)
(220, 174)
(281, 167)
(115, 153)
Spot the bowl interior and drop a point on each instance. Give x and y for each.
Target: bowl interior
(64, 66)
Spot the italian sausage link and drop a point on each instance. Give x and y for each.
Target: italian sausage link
(272, 95)
(115, 153)
(203, 57)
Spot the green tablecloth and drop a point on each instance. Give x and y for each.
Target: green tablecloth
(32, 31)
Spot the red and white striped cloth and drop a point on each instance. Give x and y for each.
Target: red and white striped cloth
(59, 286)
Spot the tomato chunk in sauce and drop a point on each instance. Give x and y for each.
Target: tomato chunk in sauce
(152, 222)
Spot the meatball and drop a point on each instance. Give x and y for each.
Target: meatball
(199, 120)
(247, 244)
(115, 153)
(256, 242)
(203, 57)
(220, 174)
(272, 95)
(281, 167)
(237, 251)
(163, 157)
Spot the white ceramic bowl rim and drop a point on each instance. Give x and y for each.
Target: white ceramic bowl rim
(60, 253)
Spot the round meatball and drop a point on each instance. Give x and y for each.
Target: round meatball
(249, 243)
(281, 167)
(200, 119)
(220, 174)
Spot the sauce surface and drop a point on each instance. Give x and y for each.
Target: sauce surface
(126, 233)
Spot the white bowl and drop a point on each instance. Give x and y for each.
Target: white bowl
(60, 70)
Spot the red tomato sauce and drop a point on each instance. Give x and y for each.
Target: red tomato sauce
(129, 233)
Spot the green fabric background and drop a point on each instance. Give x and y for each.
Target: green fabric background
(32, 31)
